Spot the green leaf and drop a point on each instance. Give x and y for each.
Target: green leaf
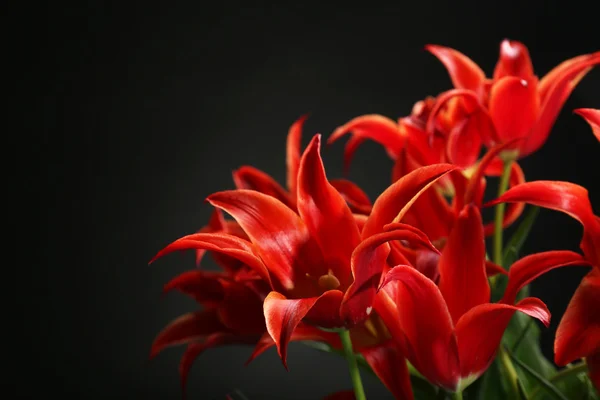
(491, 385)
(541, 381)
(573, 381)
(514, 245)
(524, 337)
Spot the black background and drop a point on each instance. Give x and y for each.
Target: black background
(138, 112)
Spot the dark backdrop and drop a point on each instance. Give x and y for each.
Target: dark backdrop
(140, 112)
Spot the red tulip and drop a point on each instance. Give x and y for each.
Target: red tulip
(514, 103)
(322, 268)
(578, 333)
(451, 332)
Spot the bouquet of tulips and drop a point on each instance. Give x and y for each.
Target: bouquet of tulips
(404, 287)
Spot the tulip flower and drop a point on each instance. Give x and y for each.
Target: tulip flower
(450, 332)
(578, 333)
(319, 264)
(514, 103)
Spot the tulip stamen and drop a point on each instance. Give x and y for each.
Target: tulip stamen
(329, 281)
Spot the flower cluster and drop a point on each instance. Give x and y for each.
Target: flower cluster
(405, 283)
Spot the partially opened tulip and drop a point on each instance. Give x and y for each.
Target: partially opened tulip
(514, 103)
(451, 332)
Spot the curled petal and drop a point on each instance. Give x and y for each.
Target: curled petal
(251, 178)
(473, 186)
(357, 200)
(226, 244)
(528, 268)
(463, 278)
(514, 107)
(492, 269)
(294, 139)
(325, 213)
(565, 197)
(592, 117)
(426, 324)
(389, 364)
(281, 238)
(368, 263)
(480, 331)
(578, 333)
(514, 61)
(375, 127)
(216, 223)
(187, 328)
(349, 149)
(465, 74)
(554, 90)
(283, 316)
(394, 202)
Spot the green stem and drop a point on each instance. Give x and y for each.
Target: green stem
(562, 374)
(499, 217)
(511, 372)
(457, 395)
(353, 365)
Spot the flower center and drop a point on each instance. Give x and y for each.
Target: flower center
(329, 281)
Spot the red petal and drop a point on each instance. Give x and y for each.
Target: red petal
(294, 140)
(375, 127)
(565, 197)
(216, 223)
(395, 201)
(514, 107)
(326, 213)
(514, 61)
(492, 269)
(205, 287)
(578, 333)
(241, 310)
(464, 141)
(465, 74)
(554, 90)
(473, 187)
(425, 321)
(528, 268)
(480, 331)
(187, 328)
(593, 363)
(463, 278)
(283, 315)
(389, 364)
(368, 261)
(351, 146)
(302, 332)
(194, 350)
(470, 102)
(280, 236)
(592, 117)
(229, 245)
(251, 178)
(357, 200)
